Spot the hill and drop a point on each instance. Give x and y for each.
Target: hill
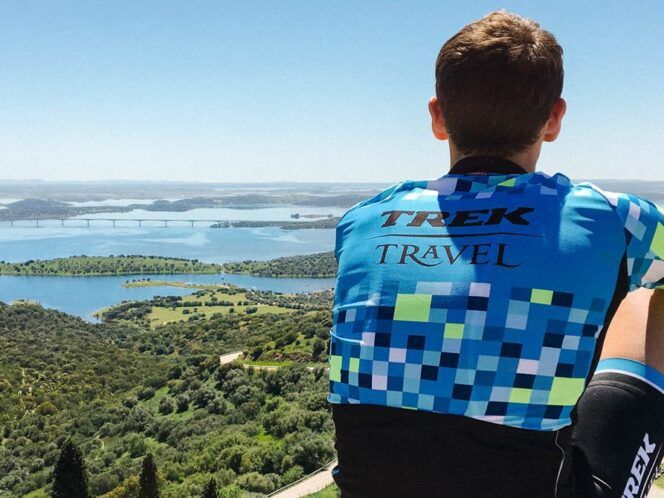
(108, 265)
(120, 389)
(320, 265)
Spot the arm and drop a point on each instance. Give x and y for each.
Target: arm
(637, 330)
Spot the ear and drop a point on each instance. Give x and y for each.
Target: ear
(552, 127)
(437, 120)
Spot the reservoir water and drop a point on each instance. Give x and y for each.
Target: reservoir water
(84, 295)
(216, 245)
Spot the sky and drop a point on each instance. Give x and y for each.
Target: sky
(298, 90)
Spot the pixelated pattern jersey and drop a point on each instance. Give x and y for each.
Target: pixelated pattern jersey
(484, 295)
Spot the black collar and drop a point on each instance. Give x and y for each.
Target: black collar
(486, 164)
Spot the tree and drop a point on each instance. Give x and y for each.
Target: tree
(69, 477)
(166, 405)
(128, 489)
(182, 402)
(148, 479)
(210, 489)
(232, 491)
(317, 348)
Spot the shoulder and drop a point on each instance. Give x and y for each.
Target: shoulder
(626, 206)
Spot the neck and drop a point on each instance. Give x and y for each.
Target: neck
(527, 158)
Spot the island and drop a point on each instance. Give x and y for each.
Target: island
(108, 265)
(319, 265)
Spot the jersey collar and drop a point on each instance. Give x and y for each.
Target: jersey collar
(486, 165)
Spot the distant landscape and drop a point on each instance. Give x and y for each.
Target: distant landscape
(57, 200)
(321, 265)
(148, 380)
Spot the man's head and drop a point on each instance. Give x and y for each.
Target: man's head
(498, 87)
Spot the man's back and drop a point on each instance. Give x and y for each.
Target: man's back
(481, 295)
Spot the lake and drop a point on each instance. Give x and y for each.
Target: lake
(83, 295)
(215, 245)
(282, 213)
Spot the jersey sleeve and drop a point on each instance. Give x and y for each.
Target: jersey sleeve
(644, 233)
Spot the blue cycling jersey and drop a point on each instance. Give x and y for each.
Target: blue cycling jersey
(485, 294)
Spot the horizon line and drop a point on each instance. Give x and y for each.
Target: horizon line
(266, 182)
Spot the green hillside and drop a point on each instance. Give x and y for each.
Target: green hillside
(122, 389)
(320, 265)
(107, 265)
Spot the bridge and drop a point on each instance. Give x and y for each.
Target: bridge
(114, 222)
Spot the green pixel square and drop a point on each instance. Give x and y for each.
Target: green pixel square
(520, 395)
(354, 365)
(508, 183)
(335, 368)
(657, 245)
(566, 391)
(541, 296)
(412, 307)
(453, 330)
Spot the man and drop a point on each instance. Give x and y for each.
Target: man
(470, 311)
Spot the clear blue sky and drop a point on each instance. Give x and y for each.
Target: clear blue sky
(305, 91)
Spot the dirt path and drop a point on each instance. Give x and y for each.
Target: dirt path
(656, 492)
(20, 390)
(227, 358)
(311, 484)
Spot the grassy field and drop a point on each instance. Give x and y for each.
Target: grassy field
(38, 493)
(330, 492)
(228, 303)
(165, 283)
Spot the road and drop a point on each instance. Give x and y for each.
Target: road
(655, 492)
(227, 358)
(311, 484)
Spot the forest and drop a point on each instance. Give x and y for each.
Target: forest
(108, 265)
(120, 391)
(319, 265)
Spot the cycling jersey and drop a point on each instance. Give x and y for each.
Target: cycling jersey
(485, 293)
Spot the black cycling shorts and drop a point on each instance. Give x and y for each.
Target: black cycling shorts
(612, 450)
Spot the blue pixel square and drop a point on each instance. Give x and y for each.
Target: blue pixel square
(462, 391)
(394, 383)
(416, 342)
(496, 408)
(521, 294)
(441, 405)
(429, 372)
(410, 399)
(484, 378)
(414, 356)
(493, 333)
